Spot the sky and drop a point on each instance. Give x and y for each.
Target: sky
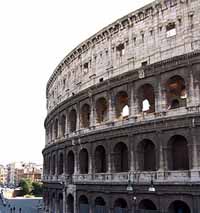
(35, 35)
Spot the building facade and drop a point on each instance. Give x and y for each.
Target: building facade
(124, 108)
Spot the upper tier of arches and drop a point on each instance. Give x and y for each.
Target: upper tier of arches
(127, 45)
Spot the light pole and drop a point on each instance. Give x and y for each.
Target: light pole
(131, 189)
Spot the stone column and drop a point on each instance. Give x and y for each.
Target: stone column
(78, 125)
(76, 163)
(158, 96)
(109, 158)
(64, 198)
(194, 135)
(131, 101)
(190, 89)
(90, 168)
(132, 161)
(160, 155)
(92, 111)
(111, 103)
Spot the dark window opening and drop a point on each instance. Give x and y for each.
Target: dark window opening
(176, 92)
(171, 29)
(101, 110)
(120, 49)
(121, 105)
(85, 116)
(146, 98)
(100, 160)
(121, 157)
(83, 161)
(70, 163)
(178, 154)
(72, 120)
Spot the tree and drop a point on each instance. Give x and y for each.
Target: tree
(37, 189)
(26, 186)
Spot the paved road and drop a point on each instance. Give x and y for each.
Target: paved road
(28, 205)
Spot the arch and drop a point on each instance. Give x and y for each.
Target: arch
(176, 94)
(72, 120)
(99, 205)
(54, 164)
(60, 164)
(147, 204)
(178, 154)
(56, 128)
(121, 105)
(178, 206)
(70, 163)
(70, 203)
(83, 161)
(85, 116)
(100, 159)
(99, 201)
(121, 157)
(147, 155)
(60, 203)
(101, 110)
(83, 204)
(120, 203)
(146, 98)
(63, 125)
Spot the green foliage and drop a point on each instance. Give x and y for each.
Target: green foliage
(26, 186)
(37, 189)
(31, 188)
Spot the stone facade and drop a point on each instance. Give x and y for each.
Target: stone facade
(124, 107)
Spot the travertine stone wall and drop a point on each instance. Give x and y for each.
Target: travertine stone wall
(144, 39)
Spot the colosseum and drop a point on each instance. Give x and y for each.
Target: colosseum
(123, 117)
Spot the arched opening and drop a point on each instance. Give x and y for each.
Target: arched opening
(100, 205)
(60, 203)
(146, 98)
(100, 160)
(63, 125)
(179, 207)
(85, 116)
(178, 155)
(60, 164)
(147, 205)
(120, 205)
(83, 161)
(176, 92)
(53, 165)
(101, 110)
(121, 157)
(83, 204)
(121, 105)
(147, 155)
(72, 120)
(70, 163)
(70, 204)
(56, 128)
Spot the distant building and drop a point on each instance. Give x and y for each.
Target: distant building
(19, 170)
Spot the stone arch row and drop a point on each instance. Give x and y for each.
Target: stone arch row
(55, 203)
(146, 154)
(175, 95)
(121, 204)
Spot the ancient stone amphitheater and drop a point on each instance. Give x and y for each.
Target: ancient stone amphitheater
(123, 123)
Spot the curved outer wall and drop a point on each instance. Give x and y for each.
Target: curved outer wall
(124, 105)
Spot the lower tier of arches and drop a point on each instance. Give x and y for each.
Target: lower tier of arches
(83, 198)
